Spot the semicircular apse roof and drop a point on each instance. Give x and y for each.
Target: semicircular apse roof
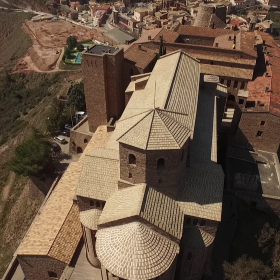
(134, 251)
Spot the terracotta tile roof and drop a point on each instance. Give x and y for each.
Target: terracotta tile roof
(246, 41)
(274, 61)
(68, 237)
(142, 57)
(153, 33)
(168, 35)
(141, 201)
(122, 204)
(59, 210)
(174, 95)
(239, 73)
(46, 228)
(163, 212)
(89, 218)
(197, 238)
(158, 131)
(134, 251)
(203, 31)
(205, 52)
(100, 167)
(217, 22)
(235, 22)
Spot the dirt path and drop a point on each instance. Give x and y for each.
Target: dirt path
(7, 188)
(6, 191)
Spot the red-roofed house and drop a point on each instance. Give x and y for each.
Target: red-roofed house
(258, 110)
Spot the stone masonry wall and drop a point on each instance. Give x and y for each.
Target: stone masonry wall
(114, 85)
(249, 126)
(78, 140)
(84, 203)
(37, 267)
(166, 179)
(145, 170)
(138, 170)
(93, 68)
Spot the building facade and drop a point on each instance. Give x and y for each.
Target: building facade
(142, 199)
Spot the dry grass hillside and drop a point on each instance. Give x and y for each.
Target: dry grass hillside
(25, 102)
(17, 207)
(14, 42)
(37, 5)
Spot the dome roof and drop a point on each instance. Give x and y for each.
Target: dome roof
(134, 251)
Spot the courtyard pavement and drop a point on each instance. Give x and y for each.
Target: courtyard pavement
(83, 270)
(224, 235)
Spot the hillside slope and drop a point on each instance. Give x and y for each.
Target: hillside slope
(14, 42)
(36, 5)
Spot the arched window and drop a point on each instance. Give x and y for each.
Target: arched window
(85, 140)
(129, 175)
(161, 164)
(242, 85)
(52, 274)
(132, 159)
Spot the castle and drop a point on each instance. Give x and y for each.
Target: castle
(147, 189)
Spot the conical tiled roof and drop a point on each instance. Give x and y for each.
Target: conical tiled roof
(153, 130)
(134, 251)
(89, 218)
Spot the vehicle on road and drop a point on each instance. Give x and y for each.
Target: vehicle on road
(65, 133)
(55, 147)
(60, 140)
(68, 127)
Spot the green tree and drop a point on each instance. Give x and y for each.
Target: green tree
(246, 268)
(72, 42)
(67, 52)
(58, 117)
(32, 156)
(80, 48)
(269, 241)
(76, 97)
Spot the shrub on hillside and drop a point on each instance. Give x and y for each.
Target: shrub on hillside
(32, 156)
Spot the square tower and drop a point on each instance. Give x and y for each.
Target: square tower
(103, 84)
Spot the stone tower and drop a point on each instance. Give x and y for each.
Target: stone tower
(103, 83)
